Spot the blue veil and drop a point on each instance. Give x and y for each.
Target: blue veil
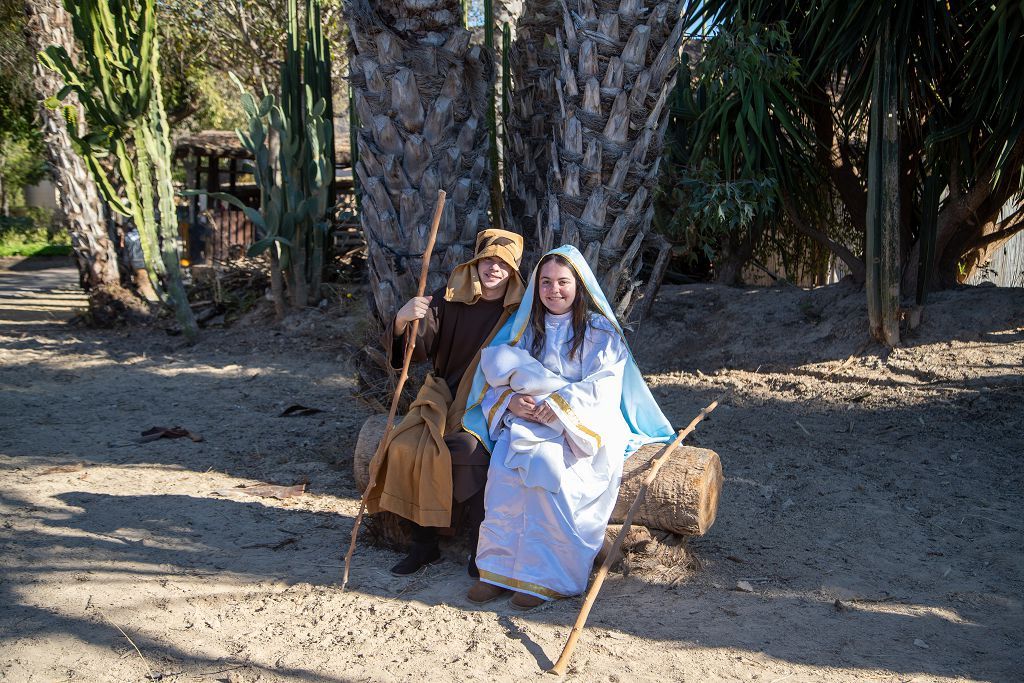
(646, 422)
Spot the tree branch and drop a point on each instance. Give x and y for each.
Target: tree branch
(999, 235)
(855, 264)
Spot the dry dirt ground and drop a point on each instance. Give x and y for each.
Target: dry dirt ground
(870, 524)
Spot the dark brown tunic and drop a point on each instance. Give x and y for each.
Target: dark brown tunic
(449, 337)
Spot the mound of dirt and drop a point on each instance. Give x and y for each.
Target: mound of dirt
(114, 306)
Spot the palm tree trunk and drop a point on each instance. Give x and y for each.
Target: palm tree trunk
(616, 71)
(421, 98)
(79, 200)
(532, 114)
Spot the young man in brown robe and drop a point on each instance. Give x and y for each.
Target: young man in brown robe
(432, 472)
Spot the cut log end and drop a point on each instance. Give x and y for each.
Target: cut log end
(682, 499)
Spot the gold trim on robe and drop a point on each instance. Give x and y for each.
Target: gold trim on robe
(517, 585)
(567, 409)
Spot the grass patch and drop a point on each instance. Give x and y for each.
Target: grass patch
(34, 249)
(32, 234)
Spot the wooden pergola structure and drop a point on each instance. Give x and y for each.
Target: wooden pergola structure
(215, 161)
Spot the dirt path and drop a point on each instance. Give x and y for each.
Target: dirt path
(871, 506)
(39, 291)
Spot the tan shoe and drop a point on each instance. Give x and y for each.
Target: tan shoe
(481, 593)
(525, 601)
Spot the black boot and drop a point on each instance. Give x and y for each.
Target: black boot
(475, 517)
(422, 551)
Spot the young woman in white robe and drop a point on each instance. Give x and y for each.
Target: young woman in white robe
(560, 403)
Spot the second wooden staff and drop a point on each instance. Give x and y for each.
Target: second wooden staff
(410, 345)
(563, 660)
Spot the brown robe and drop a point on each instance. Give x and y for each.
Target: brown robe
(450, 336)
(416, 478)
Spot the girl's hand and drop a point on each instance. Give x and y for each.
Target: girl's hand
(544, 414)
(522, 406)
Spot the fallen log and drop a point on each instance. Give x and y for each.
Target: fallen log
(683, 499)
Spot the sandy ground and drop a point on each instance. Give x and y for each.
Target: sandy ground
(870, 525)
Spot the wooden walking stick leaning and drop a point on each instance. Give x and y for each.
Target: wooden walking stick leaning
(410, 345)
(562, 664)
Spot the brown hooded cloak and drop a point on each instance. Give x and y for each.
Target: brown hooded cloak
(425, 466)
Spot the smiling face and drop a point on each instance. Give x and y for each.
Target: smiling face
(557, 287)
(494, 275)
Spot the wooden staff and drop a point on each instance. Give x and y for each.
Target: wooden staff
(563, 660)
(410, 345)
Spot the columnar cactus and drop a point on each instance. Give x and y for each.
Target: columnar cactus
(117, 83)
(294, 215)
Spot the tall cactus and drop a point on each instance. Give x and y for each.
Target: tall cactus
(882, 248)
(117, 84)
(307, 149)
(317, 69)
(294, 213)
(294, 200)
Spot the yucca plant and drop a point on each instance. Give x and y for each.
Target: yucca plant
(740, 129)
(420, 94)
(957, 111)
(118, 84)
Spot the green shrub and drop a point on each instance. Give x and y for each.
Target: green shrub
(32, 232)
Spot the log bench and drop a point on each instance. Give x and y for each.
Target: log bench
(682, 500)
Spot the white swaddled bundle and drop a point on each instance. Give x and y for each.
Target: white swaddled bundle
(536, 450)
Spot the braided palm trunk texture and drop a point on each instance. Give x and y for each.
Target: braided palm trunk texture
(532, 115)
(616, 67)
(79, 199)
(420, 92)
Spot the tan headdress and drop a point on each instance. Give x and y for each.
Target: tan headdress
(464, 282)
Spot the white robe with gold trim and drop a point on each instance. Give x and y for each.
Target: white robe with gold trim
(542, 539)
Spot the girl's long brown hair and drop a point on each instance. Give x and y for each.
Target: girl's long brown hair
(582, 306)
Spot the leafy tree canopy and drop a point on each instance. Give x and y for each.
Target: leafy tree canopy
(202, 41)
